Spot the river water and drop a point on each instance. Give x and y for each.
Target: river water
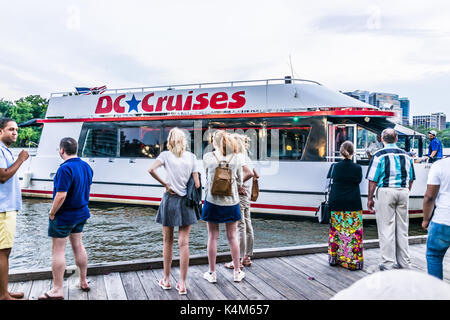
(125, 232)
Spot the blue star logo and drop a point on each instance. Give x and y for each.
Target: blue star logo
(133, 103)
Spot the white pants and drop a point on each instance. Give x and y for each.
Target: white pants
(391, 210)
(245, 228)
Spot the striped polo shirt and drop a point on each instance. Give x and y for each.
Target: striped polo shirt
(391, 167)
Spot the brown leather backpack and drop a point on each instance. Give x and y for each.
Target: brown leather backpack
(223, 178)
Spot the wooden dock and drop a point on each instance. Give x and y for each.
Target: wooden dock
(291, 273)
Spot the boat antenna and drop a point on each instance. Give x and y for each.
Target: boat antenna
(292, 70)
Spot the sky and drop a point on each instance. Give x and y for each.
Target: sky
(399, 47)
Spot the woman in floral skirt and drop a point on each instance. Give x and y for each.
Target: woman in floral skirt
(345, 246)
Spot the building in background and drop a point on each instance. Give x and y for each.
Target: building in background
(434, 120)
(404, 105)
(361, 95)
(388, 101)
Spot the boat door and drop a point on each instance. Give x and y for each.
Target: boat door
(337, 134)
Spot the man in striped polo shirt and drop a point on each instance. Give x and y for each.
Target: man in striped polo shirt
(391, 175)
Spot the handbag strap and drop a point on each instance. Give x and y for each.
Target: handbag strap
(226, 162)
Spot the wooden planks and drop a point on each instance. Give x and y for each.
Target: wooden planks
(288, 277)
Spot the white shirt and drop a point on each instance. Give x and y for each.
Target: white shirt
(246, 161)
(440, 175)
(210, 164)
(178, 170)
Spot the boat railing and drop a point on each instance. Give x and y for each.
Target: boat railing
(204, 85)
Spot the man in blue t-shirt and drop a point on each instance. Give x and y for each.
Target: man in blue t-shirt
(68, 214)
(435, 147)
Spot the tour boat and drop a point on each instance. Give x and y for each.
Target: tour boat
(296, 128)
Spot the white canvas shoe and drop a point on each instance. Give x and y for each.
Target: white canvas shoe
(210, 276)
(238, 276)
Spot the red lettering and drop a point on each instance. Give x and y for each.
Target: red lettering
(145, 106)
(239, 100)
(188, 103)
(104, 109)
(202, 102)
(178, 106)
(117, 107)
(159, 103)
(219, 97)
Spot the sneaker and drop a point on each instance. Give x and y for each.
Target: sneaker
(210, 276)
(238, 276)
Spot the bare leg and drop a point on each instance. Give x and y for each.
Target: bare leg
(81, 259)
(167, 252)
(213, 237)
(183, 244)
(58, 266)
(234, 244)
(4, 269)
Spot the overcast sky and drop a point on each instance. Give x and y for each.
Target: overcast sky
(400, 47)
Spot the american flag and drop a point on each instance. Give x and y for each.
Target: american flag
(94, 90)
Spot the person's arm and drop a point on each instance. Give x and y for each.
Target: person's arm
(371, 192)
(428, 203)
(7, 173)
(433, 153)
(60, 197)
(156, 164)
(248, 174)
(196, 180)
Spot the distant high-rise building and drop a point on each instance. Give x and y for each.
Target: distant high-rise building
(434, 120)
(387, 101)
(359, 94)
(404, 104)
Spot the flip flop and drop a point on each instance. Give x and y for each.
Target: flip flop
(162, 285)
(87, 289)
(184, 292)
(48, 297)
(17, 295)
(230, 265)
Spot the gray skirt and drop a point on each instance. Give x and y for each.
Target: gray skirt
(173, 211)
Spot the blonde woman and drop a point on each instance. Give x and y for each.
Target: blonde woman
(244, 227)
(179, 165)
(222, 208)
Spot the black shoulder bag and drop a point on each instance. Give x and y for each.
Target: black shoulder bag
(324, 209)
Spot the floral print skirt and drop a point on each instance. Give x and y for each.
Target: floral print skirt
(345, 244)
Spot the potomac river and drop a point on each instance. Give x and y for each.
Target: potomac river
(125, 232)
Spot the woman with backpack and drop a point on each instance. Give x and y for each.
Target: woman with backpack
(244, 227)
(173, 211)
(223, 170)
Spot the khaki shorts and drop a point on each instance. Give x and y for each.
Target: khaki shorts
(7, 229)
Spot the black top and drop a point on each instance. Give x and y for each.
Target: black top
(345, 194)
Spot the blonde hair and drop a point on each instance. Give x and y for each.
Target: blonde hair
(242, 142)
(176, 142)
(224, 142)
(347, 149)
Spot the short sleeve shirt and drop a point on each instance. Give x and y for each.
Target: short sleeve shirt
(74, 176)
(10, 193)
(178, 170)
(439, 174)
(435, 145)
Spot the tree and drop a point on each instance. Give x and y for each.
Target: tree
(24, 109)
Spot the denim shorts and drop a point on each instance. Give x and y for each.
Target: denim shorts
(56, 231)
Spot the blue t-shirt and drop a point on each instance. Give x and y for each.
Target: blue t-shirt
(435, 145)
(74, 176)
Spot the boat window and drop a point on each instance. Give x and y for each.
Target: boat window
(137, 142)
(99, 142)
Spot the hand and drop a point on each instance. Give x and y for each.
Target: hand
(242, 191)
(425, 224)
(370, 204)
(51, 216)
(23, 156)
(168, 189)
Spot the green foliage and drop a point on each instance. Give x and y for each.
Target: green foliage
(443, 135)
(22, 110)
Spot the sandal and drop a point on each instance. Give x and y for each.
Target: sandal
(247, 262)
(230, 265)
(163, 285)
(181, 292)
